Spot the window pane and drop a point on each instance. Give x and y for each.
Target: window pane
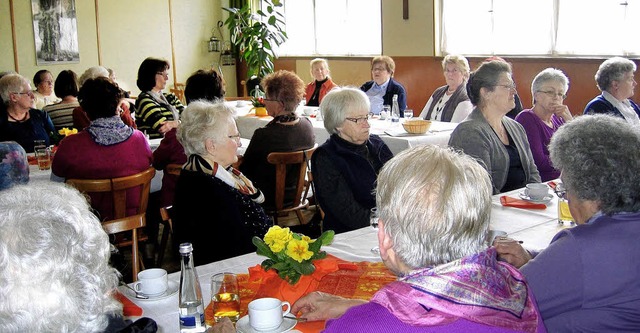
(466, 26)
(631, 44)
(515, 35)
(300, 28)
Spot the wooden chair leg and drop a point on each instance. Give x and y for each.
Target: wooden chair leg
(135, 258)
(300, 216)
(163, 243)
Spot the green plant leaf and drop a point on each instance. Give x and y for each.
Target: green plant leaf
(262, 248)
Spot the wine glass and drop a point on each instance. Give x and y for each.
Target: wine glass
(373, 220)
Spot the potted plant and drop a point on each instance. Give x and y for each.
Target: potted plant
(255, 34)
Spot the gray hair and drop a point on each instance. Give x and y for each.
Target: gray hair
(203, 120)
(549, 74)
(11, 83)
(92, 73)
(599, 159)
(55, 273)
(414, 197)
(613, 69)
(336, 105)
(485, 76)
(459, 61)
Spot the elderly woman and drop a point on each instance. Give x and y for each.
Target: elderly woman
(67, 88)
(549, 89)
(450, 103)
(202, 85)
(216, 207)
(599, 160)
(615, 79)
(449, 280)
(322, 83)
(285, 133)
(345, 167)
(157, 112)
(106, 149)
(18, 120)
(381, 89)
(44, 93)
(59, 280)
(499, 142)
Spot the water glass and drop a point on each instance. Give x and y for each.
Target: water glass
(225, 296)
(43, 156)
(408, 113)
(373, 220)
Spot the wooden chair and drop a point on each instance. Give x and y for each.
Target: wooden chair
(121, 223)
(178, 90)
(165, 215)
(282, 161)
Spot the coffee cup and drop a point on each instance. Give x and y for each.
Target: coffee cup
(152, 282)
(309, 111)
(537, 191)
(266, 314)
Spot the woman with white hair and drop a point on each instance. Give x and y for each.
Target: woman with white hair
(434, 206)
(346, 166)
(321, 85)
(216, 207)
(55, 272)
(615, 79)
(549, 89)
(450, 102)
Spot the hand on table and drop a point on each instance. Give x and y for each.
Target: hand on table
(223, 326)
(322, 306)
(511, 252)
(167, 126)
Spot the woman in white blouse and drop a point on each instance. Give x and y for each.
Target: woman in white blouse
(450, 103)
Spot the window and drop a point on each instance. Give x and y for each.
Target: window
(332, 28)
(539, 27)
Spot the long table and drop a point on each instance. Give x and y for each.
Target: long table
(534, 227)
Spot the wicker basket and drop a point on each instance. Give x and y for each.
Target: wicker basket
(416, 126)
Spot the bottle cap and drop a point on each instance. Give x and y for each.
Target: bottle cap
(186, 248)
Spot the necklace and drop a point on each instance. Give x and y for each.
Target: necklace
(24, 118)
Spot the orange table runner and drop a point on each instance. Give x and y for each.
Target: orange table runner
(358, 280)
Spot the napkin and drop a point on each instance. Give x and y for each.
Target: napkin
(518, 203)
(129, 309)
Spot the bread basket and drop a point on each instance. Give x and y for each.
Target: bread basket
(416, 126)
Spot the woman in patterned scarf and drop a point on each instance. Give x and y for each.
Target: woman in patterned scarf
(217, 208)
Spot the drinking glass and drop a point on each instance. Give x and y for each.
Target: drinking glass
(225, 296)
(564, 214)
(373, 220)
(408, 114)
(43, 156)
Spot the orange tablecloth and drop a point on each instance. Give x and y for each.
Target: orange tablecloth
(358, 280)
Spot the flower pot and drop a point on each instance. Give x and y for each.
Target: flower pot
(260, 111)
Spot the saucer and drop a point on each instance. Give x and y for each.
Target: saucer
(172, 289)
(544, 200)
(243, 326)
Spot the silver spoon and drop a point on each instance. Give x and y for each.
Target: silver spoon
(138, 295)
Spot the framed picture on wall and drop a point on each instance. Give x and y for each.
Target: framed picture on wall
(55, 30)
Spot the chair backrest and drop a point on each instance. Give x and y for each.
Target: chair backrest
(118, 188)
(178, 90)
(282, 160)
(173, 169)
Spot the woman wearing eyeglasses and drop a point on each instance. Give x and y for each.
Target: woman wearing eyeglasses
(450, 102)
(285, 133)
(498, 142)
(549, 89)
(157, 113)
(346, 166)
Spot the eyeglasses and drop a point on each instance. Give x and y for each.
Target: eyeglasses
(234, 137)
(378, 69)
(553, 94)
(360, 120)
(560, 191)
(511, 86)
(28, 93)
(165, 74)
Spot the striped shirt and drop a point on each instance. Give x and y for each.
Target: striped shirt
(61, 114)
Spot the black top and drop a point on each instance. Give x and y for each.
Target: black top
(516, 177)
(314, 100)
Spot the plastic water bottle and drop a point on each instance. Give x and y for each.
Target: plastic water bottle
(191, 306)
(395, 109)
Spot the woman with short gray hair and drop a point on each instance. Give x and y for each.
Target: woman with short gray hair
(549, 89)
(346, 166)
(450, 102)
(212, 198)
(615, 79)
(599, 159)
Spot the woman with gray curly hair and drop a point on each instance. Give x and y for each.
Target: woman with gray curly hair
(615, 79)
(55, 272)
(212, 198)
(599, 159)
(346, 166)
(449, 280)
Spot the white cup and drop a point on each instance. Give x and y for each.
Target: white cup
(266, 314)
(309, 111)
(537, 191)
(152, 282)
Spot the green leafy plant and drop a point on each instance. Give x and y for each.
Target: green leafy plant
(256, 34)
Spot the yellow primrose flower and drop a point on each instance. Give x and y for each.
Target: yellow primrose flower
(298, 250)
(276, 238)
(66, 131)
(307, 239)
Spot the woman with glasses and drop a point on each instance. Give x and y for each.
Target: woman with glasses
(285, 133)
(382, 87)
(44, 94)
(19, 121)
(588, 278)
(346, 166)
(615, 79)
(450, 103)
(216, 208)
(157, 113)
(498, 142)
(549, 89)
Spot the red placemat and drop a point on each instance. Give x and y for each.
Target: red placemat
(129, 309)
